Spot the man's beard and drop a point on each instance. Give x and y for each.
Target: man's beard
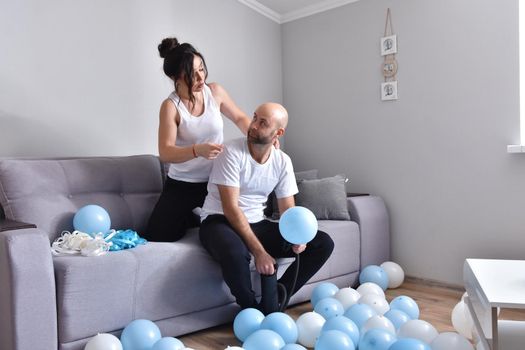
(259, 140)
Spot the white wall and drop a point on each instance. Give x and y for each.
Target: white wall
(84, 77)
(438, 154)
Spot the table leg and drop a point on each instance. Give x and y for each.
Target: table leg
(494, 312)
(478, 317)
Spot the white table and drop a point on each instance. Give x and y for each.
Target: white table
(491, 284)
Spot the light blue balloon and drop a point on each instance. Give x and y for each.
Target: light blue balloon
(140, 335)
(298, 225)
(343, 324)
(263, 339)
(281, 324)
(397, 317)
(375, 274)
(92, 219)
(168, 343)
(334, 340)
(246, 322)
(293, 347)
(329, 307)
(360, 313)
(323, 290)
(407, 305)
(376, 339)
(409, 344)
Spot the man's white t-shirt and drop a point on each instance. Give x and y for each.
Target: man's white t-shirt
(235, 167)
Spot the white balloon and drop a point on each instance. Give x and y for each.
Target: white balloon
(376, 302)
(378, 322)
(103, 341)
(418, 329)
(449, 341)
(370, 288)
(347, 297)
(462, 323)
(309, 327)
(395, 274)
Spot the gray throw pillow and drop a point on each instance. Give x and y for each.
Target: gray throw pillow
(326, 197)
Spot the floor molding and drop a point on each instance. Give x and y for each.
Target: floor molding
(434, 283)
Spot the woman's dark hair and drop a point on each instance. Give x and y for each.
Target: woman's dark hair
(178, 60)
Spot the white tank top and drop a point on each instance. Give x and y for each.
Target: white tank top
(208, 127)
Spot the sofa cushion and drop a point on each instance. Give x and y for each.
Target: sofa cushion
(326, 197)
(155, 281)
(48, 192)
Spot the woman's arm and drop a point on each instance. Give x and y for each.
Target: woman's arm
(229, 108)
(168, 151)
(171, 153)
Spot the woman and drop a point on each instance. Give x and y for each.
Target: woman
(190, 137)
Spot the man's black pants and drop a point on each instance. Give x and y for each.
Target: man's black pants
(227, 247)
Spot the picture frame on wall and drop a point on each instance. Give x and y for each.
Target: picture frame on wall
(389, 91)
(388, 45)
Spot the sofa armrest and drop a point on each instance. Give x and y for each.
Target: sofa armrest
(371, 215)
(28, 316)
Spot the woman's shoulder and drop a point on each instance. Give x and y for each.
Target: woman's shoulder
(216, 89)
(168, 109)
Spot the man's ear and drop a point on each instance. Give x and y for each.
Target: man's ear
(280, 132)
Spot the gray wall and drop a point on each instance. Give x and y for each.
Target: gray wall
(438, 154)
(84, 77)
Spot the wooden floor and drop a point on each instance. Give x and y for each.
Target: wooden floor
(435, 303)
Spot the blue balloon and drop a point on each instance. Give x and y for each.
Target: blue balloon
(407, 305)
(343, 324)
(323, 290)
(329, 307)
(298, 225)
(263, 339)
(140, 335)
(334, 340)
(397, 317)
(246, 322)
(92, 219)
(360, 313)
(168, 343)
(374, 274)
(293, 347)
(409, 344)
(281, 324)
(376, 339)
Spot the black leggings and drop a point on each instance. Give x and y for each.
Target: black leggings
(172, 214)
(227, 247)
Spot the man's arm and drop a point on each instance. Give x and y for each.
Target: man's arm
(284, 204)
(264, 262)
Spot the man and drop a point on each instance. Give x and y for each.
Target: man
(233, 226)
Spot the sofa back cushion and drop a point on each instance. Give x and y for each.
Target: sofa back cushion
(48, 192)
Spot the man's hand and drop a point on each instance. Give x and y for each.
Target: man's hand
(298, 248)
(264, 263)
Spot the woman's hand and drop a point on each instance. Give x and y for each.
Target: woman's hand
(208, 150)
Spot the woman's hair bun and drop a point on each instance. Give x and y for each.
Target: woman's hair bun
(167, 45)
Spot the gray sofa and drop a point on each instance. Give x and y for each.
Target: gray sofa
(49, 302)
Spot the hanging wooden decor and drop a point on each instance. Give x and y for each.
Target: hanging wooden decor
(389, 65)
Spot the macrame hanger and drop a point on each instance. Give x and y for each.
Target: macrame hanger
(388, 21)
(389, 30)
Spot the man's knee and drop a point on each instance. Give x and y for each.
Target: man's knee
(324, 242)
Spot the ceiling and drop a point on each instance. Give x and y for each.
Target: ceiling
(282, 11)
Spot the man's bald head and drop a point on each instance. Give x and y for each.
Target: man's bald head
(275, 111)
